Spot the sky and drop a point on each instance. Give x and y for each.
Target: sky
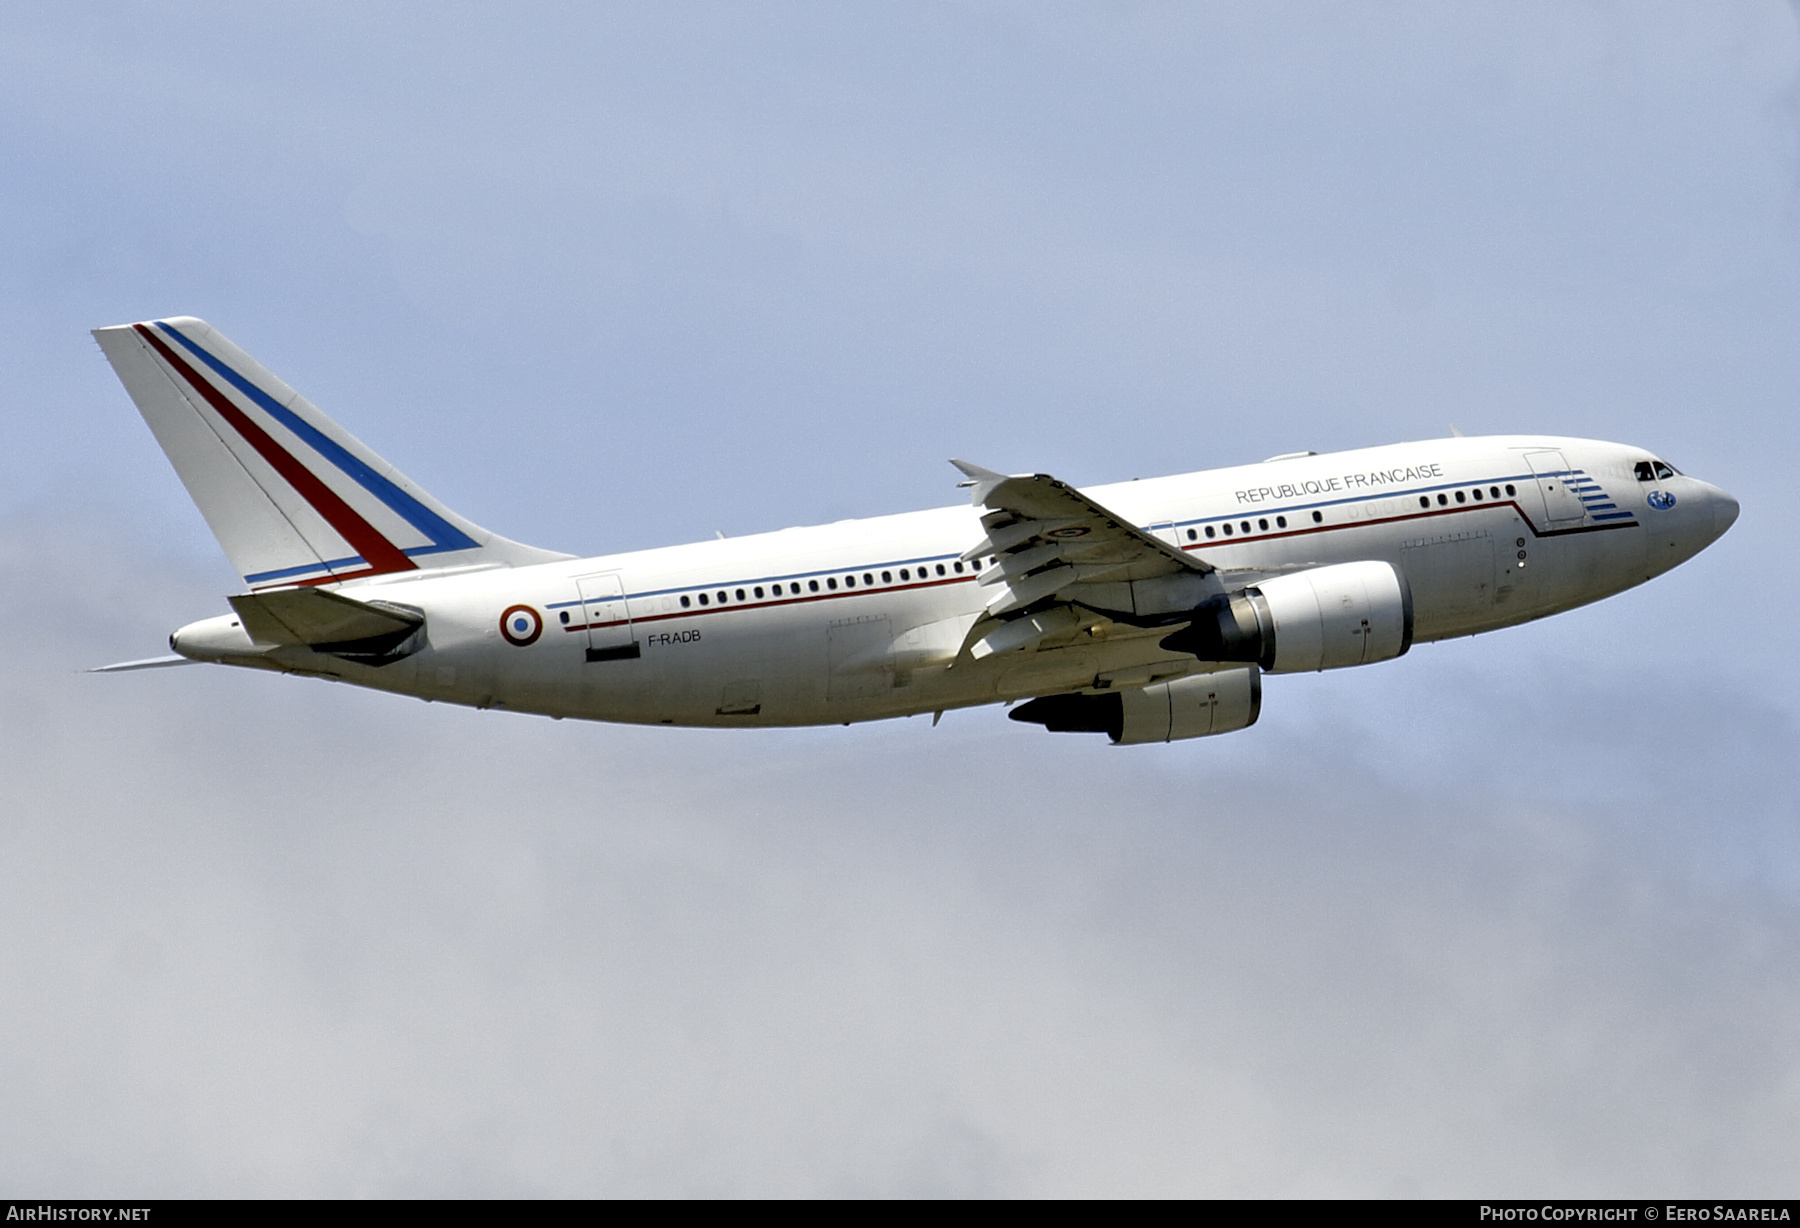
(1512, 916)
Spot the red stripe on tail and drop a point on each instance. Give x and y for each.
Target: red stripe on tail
(378, 552)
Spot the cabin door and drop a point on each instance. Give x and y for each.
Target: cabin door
(1561, 506)
(609, 631)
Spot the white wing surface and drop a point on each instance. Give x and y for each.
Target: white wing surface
(1051, 545)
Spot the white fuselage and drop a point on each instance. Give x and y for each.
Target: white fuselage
(867, 619)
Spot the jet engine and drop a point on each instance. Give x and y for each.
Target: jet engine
(1321, 618)
(1191, 707)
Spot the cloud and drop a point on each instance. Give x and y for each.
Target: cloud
(1509, 915)
(269, 936)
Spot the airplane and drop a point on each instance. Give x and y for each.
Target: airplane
(1147, 611)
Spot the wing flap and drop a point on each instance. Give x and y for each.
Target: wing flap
(1054, 551)
(1030, 631)
(1039, 508)
(1022, 591)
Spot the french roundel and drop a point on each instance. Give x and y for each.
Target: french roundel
(521, 625)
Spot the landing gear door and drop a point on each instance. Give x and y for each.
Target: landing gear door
(1561, 506)
(608, 623)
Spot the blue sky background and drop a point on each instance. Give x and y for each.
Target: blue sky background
(1515, 915)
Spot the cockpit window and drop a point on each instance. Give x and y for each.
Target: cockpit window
(1664, 471)
(1653, 471)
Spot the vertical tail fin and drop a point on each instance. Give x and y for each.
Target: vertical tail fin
(292, 497)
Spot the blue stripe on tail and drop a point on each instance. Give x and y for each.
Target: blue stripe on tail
(444, 535)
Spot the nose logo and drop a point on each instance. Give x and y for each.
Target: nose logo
(1661, 500)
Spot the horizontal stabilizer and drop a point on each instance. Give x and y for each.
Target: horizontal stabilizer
(148, 663)
(325, 621)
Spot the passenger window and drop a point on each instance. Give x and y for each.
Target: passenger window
(1318, 517)
(1209, 530)
(831, 582)
(1193, 536)
(868, 579)
(1245, 526)
(1461, 498)
(1227, 530)
(1510, 490)
(684, 603)
(1281, 522)
(759, 592)
(940, 569)
(703, 599)
(905, 574)
(740, 594)
(849, 581)
(1424, 500)
(887, 577)
(1263, 525)
(958, 567)
(723, 596)
(565, 617)
(812, 585)
(1443, 500)
(1493, 492)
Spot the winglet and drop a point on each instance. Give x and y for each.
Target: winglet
(981, 481)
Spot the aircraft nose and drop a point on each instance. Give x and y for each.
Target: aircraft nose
(1724, 510)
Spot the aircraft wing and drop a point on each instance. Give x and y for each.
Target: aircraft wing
(1045, 536)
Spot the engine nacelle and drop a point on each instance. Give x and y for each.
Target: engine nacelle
(1321, 618)
(1192, 707)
